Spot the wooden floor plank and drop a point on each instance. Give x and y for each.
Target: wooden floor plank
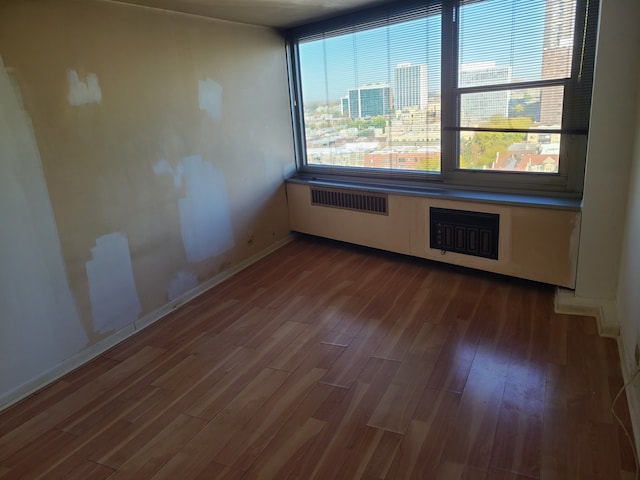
(382, 458)
(247, 443)
(345, 370)
(159, 450)
(516, 447)
(421, 448)
(89, 471)
(346, 412)
(21, 462)
(307, 345)
(408, 453)
(361, 451)
(229, 422)
(242, 374)
(75, 466)
(454, 363)
(325, 360)
(397, 406)
(293, 446)
(287, 458)
(472, 436)
(17, 438)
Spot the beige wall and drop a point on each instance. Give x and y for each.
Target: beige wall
(609, 150)
(629, 283)
(608, 274)
(535, 243)
(142, 153)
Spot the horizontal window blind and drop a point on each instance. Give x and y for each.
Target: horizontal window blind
(366, 19)
(366, 89)
(409, 88)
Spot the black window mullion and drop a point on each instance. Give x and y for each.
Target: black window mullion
(296, 100)
(449, 79)
(511, 86)
(577, 93)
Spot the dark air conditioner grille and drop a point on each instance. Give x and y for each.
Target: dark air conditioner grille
(360, 201)
(470, 233)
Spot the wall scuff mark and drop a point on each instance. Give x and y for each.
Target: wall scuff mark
(210, 98)
(112, 289)
(82, 93)
(205, 221)
(183, 282)
(39, 325)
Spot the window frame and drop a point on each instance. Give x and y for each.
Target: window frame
(567, 182)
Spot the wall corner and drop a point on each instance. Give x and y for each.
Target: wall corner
(604, 310)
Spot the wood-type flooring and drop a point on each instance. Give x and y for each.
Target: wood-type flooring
(330, 361)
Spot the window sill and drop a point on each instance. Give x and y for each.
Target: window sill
(449, 193)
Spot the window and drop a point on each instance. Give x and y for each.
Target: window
(477, 93)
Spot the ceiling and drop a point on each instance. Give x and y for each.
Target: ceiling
(270, 13)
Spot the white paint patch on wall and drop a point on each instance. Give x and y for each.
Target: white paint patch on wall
(205, 221)
(182, 283)
(210, 98)
(82, 93)
(163, 167)
(39, 322)
(204, 212)
(112, 289)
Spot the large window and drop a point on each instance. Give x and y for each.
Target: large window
(484, 93)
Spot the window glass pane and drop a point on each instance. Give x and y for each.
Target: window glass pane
(510, 152)
(510, 108)
(531, 151)
(504, 41)
(372, 98)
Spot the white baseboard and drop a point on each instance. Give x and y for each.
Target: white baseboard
(212, 282)
(606, 314)
(632, 392)
(28, 388)
(604, 310)
(13, 396)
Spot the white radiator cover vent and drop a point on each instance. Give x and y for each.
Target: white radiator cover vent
(358, 200)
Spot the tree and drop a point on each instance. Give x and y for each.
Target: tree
(430, 163)
(367, 124)
(481, 150)
(379, 122)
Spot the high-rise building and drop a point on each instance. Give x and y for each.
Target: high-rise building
(370, 100)
(479, 107)
(410, 86)
(344, 106)
(556, 56)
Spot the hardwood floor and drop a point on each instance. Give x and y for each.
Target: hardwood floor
(327, 361)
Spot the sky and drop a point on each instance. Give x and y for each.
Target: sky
(493, 30)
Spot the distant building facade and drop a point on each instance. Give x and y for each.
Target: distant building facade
(370, 100)
(411, 88)
(480, 107)
(344, 106)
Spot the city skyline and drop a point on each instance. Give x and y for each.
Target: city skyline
(389, 115)
(334, 65)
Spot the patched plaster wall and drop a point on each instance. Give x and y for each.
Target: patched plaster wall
(142, 153)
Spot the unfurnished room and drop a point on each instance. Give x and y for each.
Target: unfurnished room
(277, 239)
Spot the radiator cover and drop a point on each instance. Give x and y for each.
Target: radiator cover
(360, 201)
(461, 231)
